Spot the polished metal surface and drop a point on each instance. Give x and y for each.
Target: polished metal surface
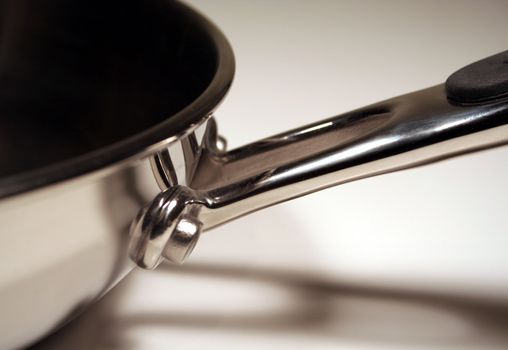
(396, 134)
(66, 246)
(61, 260)
(75, 249)
(88, 96)
(170, 220)
(75, 252)
(172, 225)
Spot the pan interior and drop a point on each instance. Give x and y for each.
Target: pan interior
(77, 76)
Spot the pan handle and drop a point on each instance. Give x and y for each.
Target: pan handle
(407, 131)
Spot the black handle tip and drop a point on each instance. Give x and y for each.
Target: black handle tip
(482, 81)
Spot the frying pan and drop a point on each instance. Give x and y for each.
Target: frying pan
(111, 103)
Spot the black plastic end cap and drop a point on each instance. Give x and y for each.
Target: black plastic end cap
(482, 81)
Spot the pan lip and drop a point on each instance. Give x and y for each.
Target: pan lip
(148, 141)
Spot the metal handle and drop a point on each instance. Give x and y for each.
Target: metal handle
(399, 133)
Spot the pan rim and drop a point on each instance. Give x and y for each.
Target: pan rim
(148, 141)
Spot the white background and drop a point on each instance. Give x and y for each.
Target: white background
(415, 259)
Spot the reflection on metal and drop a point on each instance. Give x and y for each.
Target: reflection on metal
(163, 169)
(400, 133)
(191, 152)
(168, 228)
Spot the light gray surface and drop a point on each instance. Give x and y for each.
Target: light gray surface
(344, 279)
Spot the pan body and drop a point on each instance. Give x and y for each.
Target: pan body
(89, 91)
(65, 245)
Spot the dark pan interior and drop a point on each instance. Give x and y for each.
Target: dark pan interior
(76, 76)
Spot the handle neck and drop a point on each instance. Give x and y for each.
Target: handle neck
(400, 133)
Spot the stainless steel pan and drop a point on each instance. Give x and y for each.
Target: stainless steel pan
(106, 119)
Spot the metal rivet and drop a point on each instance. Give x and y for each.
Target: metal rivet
(183, 239)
